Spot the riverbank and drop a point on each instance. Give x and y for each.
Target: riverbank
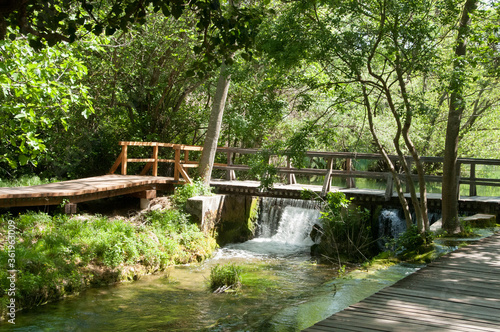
(59, 256)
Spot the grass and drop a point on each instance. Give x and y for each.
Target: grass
(60, 255)
(26, 180)
(224, 278)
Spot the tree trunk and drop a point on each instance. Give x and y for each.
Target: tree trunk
(451, 222)
(214, 126)
(397, 182)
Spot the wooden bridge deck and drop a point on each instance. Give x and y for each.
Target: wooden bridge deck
(81, 190)
(98, 187)
(364, 197)
(458, 292)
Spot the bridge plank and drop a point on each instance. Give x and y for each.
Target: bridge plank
(80, 190)
(448, 295)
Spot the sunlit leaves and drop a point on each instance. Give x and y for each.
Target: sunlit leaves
(38, 90)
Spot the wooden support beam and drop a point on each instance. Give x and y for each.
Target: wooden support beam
(70, 208)
(116, 164)
(230, 174)
(291, 176)
(155, 162)
(124, 159)
(184, 174)
(146, 168)
(472, 177)
(177, 164)
(349, 181)
(327, 184)
(389, 187)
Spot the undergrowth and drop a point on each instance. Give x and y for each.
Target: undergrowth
(224, 278)
(26, 180)
(186, 191)
(61, 255)
(345, 232)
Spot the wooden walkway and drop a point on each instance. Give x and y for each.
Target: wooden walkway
(81, 190)
(458, 292)
(364, 197)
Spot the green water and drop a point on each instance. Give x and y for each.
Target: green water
(278, 294)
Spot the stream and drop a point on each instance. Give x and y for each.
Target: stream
(284, 289)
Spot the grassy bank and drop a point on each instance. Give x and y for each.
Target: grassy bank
(56, 256)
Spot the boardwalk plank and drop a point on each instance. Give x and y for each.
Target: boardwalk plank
(482, 302)
(433, 307)
(441, 304)
(419, 313)
(458, 292)
(414, 319)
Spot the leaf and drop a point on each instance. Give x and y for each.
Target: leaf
(23, 160)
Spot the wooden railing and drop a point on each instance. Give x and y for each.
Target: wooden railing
(348, 172)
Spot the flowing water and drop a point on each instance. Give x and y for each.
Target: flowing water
(283, 288)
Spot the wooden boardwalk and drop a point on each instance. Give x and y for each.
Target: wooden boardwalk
(81, 190)
(364, 197)
(457, 292)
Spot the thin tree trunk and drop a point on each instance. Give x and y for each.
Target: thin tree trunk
(451, 223)
(214, 126)
(397, 182)
(421, 207)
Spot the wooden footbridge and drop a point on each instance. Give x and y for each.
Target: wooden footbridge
(175, 161)
(457, 292)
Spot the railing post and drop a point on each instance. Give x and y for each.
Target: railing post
(472, 186)
(155, 162)
(408, 164)
(230, 175)
(350, 183)
(291, 176)
(327, 184)
(177, 162)
(459, 166)
(389, 187)
(124, 159)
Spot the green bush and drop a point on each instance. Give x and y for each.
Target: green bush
(410, 242)
(345, 232)
(184, 192)
(224, 278)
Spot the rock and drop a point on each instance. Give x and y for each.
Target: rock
(481, 220)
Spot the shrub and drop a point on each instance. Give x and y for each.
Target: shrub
(345, 232)
(411, 241)
(224, 278)
(183, 193)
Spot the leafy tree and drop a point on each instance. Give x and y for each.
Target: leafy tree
(39, 92)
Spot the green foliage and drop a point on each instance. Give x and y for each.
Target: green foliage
(345, 231)
(26, 180)
(224, 278)
(38, 91)
(60, 255)
(262, 170)
(186, 191)
(410, 242)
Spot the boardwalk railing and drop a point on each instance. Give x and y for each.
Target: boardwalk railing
(284, 166)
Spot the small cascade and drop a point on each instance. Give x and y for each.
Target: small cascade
(271, 211)
(391, 223)
(283, 229)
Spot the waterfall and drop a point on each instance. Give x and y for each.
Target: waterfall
(391, 224)
(284, 228)
(272, 210)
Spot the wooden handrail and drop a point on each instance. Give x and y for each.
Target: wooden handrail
(183, 162)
